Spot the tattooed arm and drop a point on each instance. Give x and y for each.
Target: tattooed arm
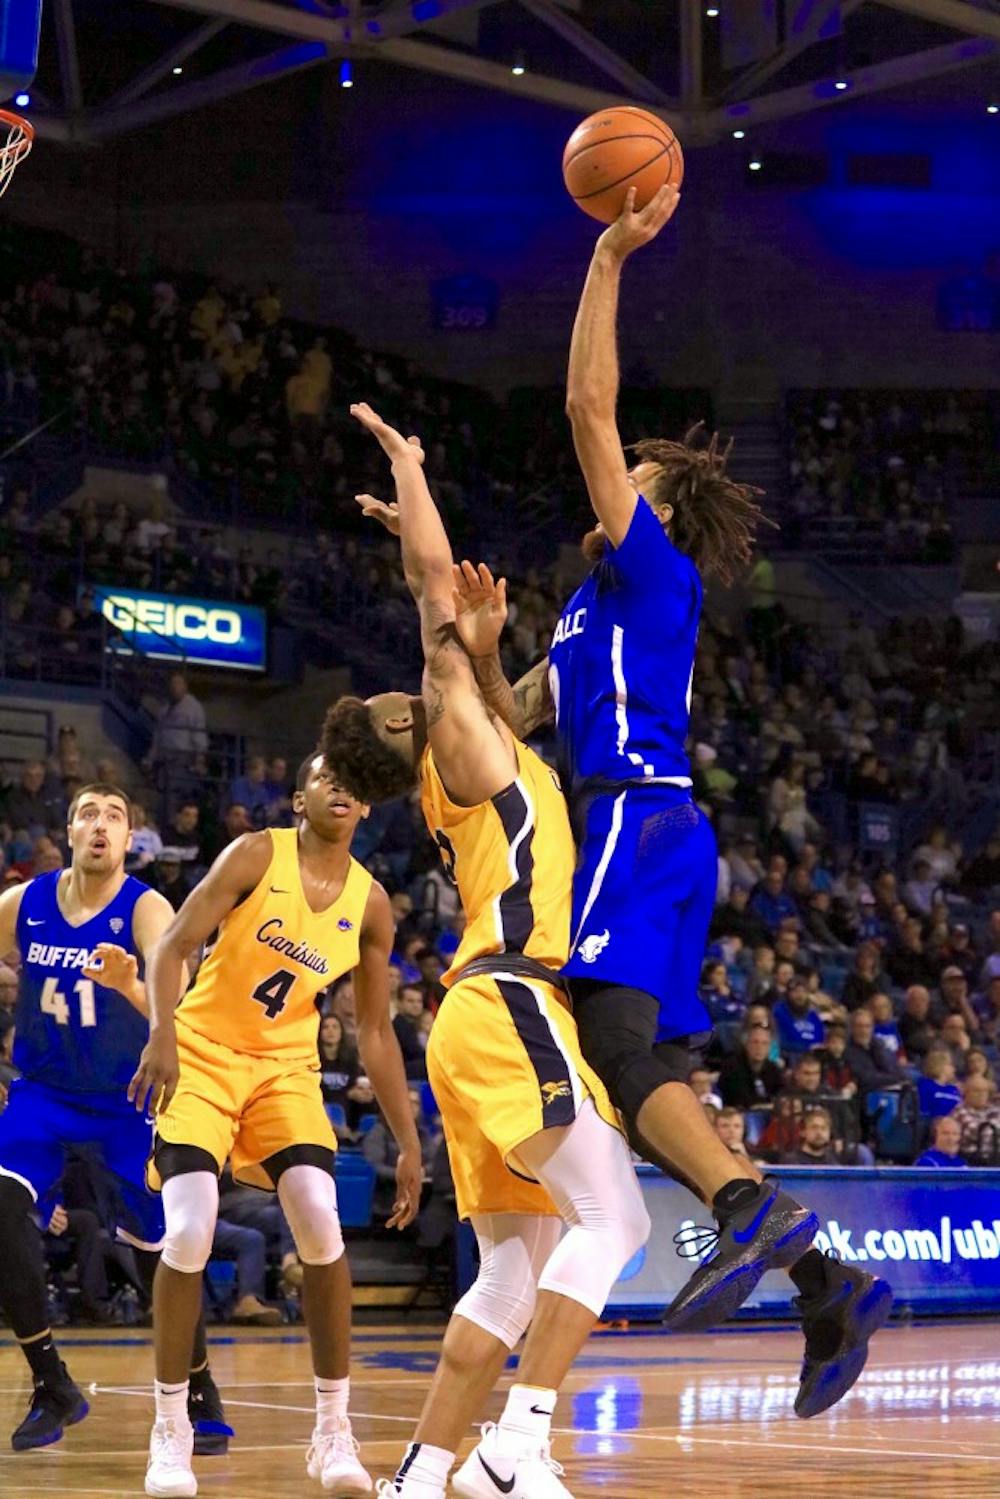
(481, 613)
(474, 754)
(522, 707)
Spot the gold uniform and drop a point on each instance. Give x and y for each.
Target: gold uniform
(503, 1058)
(247, 1029)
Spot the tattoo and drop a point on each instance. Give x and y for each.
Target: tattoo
(434, 704)
(522, 707)
(533, 696)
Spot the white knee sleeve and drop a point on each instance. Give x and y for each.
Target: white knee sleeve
(513, 1247)
(587, 1170)
(190, 1206)
(309, 1197)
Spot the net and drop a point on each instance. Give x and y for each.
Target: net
(16, 137)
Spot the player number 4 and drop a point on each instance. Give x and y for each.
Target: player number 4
(273, 992)
(55, 1003)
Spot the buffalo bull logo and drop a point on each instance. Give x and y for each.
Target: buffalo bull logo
(590, 948)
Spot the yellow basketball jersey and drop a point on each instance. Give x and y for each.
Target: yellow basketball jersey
(256, 991)
(512, 859)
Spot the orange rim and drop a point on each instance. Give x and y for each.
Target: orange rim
(18, 122)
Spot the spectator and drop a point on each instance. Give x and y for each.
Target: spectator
(278, 788)
(723, 1005)
(184, 837)
(837, 1075)
(249, 1249)
(251, 791)
(147, 845)
(235, 822)
(734, 918)
(886, 1029)
(917, 1030)
(771, 901)
(380, 1150)
(406, 1024)
(169, 877)
(921, 889)
(941, 856)
(807, 1076)
(955, 997)
(872, 1064)
(761, 977)
(702, 1086)
(982, 874)
(247, 1207)
(937, 1089)
(946, 1143)
(341, 1079)
(907, 961)
(34, 806)
(751, 1079)
(978, 1118)
(956, 1038)
(8, 989)
(799, 1025)
(959, 952)
(988, 1011)
(342, 1004)
(815, 1146)
(730, 1126)
(864, 980)
(180, 737)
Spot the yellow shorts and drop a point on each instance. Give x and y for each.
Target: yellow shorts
(250, 1108)
(504, 1062)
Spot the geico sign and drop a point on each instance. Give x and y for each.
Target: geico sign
(180, 621)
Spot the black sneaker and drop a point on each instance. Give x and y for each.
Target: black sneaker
(53, 1408)
(770, 1233)
(837, 1325)
(205, 1412)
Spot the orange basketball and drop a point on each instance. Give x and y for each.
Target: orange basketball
(616, 149)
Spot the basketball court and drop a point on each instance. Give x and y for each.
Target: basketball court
(643, 1414)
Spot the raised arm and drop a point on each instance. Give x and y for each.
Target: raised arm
(592, 384)
(480, 615)
(380, 1054)
(473, 752)
(237, 871)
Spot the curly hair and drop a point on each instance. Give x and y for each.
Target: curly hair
(715, 519)
(361, 761)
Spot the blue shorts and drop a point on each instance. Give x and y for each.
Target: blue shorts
(643, 897)
(40, 1123)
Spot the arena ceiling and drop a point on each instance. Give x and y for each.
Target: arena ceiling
(113, 66)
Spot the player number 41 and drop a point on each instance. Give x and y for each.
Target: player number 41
(55, 1003)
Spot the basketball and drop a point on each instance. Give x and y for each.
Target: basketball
(616, 149)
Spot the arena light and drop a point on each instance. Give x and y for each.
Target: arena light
(711, 12)
(841, 84)
(177, 71)
(517, 66)
(739, 135)
(991, 109)
(755, 164)
(22, 100)
(346, 74)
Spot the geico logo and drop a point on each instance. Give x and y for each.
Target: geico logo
(181, 621)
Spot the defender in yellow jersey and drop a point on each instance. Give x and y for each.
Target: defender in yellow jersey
(234, 1071)
(529, 1127)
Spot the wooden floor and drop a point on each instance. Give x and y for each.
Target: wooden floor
(643, 1414)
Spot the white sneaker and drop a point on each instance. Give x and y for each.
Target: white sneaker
(486, 1474)
(386, 1489)
(333, 1459)
(168, 1474)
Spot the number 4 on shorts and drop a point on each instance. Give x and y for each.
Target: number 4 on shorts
(273, 992)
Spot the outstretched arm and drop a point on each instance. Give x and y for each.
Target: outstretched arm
(473, 754)
(380, 1055)
(480, 615)
(592, 384)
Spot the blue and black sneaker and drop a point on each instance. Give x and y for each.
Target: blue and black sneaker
(54, 1406)
(837, 1325)
(769, 1232)
(207, 1417)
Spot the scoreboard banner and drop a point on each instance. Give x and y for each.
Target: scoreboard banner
(933, 1235)
(170, 627)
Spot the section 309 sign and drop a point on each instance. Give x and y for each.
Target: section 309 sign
(171, 627)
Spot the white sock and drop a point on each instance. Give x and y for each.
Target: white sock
(171, 1401)
(423, 1468)
(332, 1396)
(528, 1413)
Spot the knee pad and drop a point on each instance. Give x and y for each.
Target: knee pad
(617, 1028)
(513, 1249)
(309, 1197)
(190, 1206)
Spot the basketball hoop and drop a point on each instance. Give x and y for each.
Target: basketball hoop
(16, 137)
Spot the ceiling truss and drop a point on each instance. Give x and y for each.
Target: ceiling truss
(308, 33)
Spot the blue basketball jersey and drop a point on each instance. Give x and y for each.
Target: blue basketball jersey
(622, 661)
(72, 1032)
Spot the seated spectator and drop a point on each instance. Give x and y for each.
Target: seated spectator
(250, 1208)
(730, 1126)
(340, 1076)
(702, 1086)
(959, 952)
(945, 1146)
(734, 918)
(781, 1133)
(917, 1030)
(235, 822)
(940, 854)
(955, 997)
(147, 845)
(807, 1076)
(380, 1150)
(799, 1025)
(956, 1038)
(341, 1003)
(771, 901)
(750, 1078)
(723, 1005)
(987, 1004)
(977, 1064)
(248, 1247)
(787, 946)
(816, 921)
(921, 889)
(886, 1029)
(279, 793)
(409, 1009)
(982, 873)
(251, 790)
(815, 1145)
(431, 968)
(978, 1118)
(762, 973)
(36, 804)
(837, 1075)
(907, 961)
(864, 979)
(872, 1064)
(744, 862)
(169, 876)
(937, 1090)
(183, 835)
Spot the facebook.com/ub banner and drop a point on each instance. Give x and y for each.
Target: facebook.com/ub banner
(933, 1235)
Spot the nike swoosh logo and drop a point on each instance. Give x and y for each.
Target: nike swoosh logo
(537, 1410)
(276, 891)
(505, 1486)
(35, 923)
(743, 1236)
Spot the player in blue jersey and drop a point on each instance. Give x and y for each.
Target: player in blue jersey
(81, 1024)
(618, 679)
